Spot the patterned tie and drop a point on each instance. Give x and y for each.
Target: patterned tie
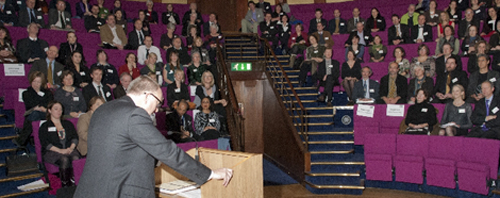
(392, 88)
(484, 128)
(99, 90)
(63, 23)
(141, 37)
(49, 73)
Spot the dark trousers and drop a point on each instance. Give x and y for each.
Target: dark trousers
(479, 133)
(308, 66)
(25, 133)
(298, 49)
(329, 83)
(284, 41)
(108, 46)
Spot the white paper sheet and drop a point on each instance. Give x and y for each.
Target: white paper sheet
(395, 110)
(365, 110)
(14, 69)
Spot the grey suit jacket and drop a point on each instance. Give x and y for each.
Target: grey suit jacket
(41, 65)
(351, 27)
(474, 86)
(54, 17)
(122, 146)
(373, 87)
(24, 18)
(260, 15)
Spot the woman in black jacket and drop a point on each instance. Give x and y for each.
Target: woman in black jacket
(421, 116)
(178, 90)
(376, 22)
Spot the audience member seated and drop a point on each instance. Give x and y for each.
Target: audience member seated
(419, 82)
(49, 67)
(59, 19)
(351, 73)
(365, 37)
(151, 15)
(42, 6)
(278, 13)
(481, 47)
(433, 14)
(318, 18)
(67, 48)
(453, 12)
(30, 15)
(145, 23)
(146, 49)
(81, 73)
(393, 87)
(207, 56)
(121, 89)
(93, 22)
(208, 88)
(285, 6)
(52, 5)
(411, 18)
(483, 74)
(495, 40)
(421, 32)
(130, 66)
(96, 88)
(58, 138)
(423, 5)
(265, 6)
(284, 32)
(366, 90)
(399, 55)
(207, 122)
(314, 55)
(136, 36)
(398, 33)
(457, 113)
(117, 6)
(180, 124)
(490, 25)
(182, 51)
(120, 21)
(192, 35)
(470, 41)
(196, 70)
(112, 37)
(465, 23)
(377, 50)
(110, 75)
(352, 23)
(70, 97)
(463, 5)
(298, 42)
(328, 75)
(375, 22)
(103, 12)
(421, 117)
(428, 62)
(252, 19)
(359, 50)
(167, 38)
(190, 23)
(269, 30)
(170, 16)
(32, 48)
(7, 14)
(478, 9)
(441, 61)
(324, 37)
(82, 127)
(177, 90)
(7, 49)
(444, 21)
(193, 8)
(446, 81)
(153, 67)
(485, 114)
(337, 25)
(212, 20)
(83, 9)
(36, 98)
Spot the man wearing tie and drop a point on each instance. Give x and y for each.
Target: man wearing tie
(211, 21)
(484, 116)
(96, 88)
(324, 37)
(337, 25)
(136, 36)
(445, 81)
(318, 19)
(144, 50)
(30, 15)
(398, 33)
(366, 90)
(51, 68)
(352, 22)
(59, 18)
(7, 14)
(421, 32)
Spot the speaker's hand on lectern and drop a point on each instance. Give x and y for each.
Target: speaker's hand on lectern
(223, 173)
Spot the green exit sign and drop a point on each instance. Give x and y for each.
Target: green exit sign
(241, 66)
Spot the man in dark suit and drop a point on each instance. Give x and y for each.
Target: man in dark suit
(211, 21)
(30, 15)
(269, 30)
(473, 91)
(184, 57)
(447, 53)
(352, 22)
(121, 155)
(170, 16)
(485, 114)
(445, 81)
(180, 124)
(398, 33)
(465, 23)
(7, 14)
(324, 37)
(67, 48)
(67, 5)
(393, 87)
(318, 19)
(265, 6)
(93, 22)
(328, 76)
(53, 73)
(337, 25)
(421, 32)
(136, 36)
(366, 89)
(32, 48)
(96, 88)
(121, 89)
(365, 37)
(59, 18)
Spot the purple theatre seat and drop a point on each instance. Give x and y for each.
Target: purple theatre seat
(78, 169)
(161, 123)
(78, 25)
(440, 165)
(440, 108)
(410, 157)
(212, 144)
(478, 164)
(366, 125)
(379, 152)
(19, 107)
(51, 168)
(391, 124)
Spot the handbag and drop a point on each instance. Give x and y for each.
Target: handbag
(413, 131)
(21, 164)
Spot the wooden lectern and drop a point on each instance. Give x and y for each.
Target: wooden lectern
(247, 178)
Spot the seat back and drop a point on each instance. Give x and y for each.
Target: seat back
(442, 147)
(380, 144)
(412, 145)
(38, 146)
(483, 151)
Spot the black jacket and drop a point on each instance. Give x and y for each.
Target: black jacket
(166, 15)
(206, 28)
(8, 15)
(32, 99)
(48, 136)
(109, 74)
(65, 52)
(173, 122)
(93, 23)
(313, 25)
(89, 92)
(173, 95)
(370, 23)
(463, 27)
(119, 92)
(456, 76)
(133, 39)
(405, 34)
(367, 36)
(428, 85)
(25, 50)
(79, 77)
(441, 65)
(427, 33)
(421, 113)
(334, 70)
(272, 29)
(183, 55)
(401, 84)
(265, 6)
(332, 26)
(479, 114)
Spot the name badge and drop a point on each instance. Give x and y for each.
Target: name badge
(19, 2)
(400, 63)
(293, 38)
(491, 21)
(105, 11)
(267, 7)
(195, 70)
(478, 11)
(436, 15)
(52, 129)
(123, 26)
(168, 15)
(372, 91)
(76, 99)
(258, 15)
(459, 1)
(272, 27)
(315, 51)
(455, 16)
(39, 17)
(494, 110)
(219, 37)
(281, 13)
(493, 80)
(8, 12)
(39, 9)
(341, 24)
(82, 73)
(99, 23)
(461, 110)
(110, 71)
(356, 52)
(46, 49)
(67, 19)
(108, 94)
(425, 33)
(330, 66)
(381, 51)
(171, 72)
(41, 93)
(327, 38)
(203, 54)
(378, 20)
(424, 110)
(466, 45)
(454, 80)
(148, 14)
(59, 73)
(178, 90)
(367, 37)
(158, 73)
(212, 120)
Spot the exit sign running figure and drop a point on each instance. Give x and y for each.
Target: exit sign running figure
(241, 66)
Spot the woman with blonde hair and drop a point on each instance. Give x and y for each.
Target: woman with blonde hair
(456, 116)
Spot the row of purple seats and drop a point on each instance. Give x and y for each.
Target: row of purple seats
(474, 160)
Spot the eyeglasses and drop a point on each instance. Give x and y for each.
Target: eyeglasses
(160, 102)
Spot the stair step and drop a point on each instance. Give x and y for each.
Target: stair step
(301, 88)
(237, 39)
(1, 105)
(331, 132)
(242, 52)
(313, 116)
(335, 186)
(289, 76)
(2, 115)
(331, 152)
(8, 137)
(333, 174)
(290, 70)
(238, 44)
(316, 124)
(24, 193)
(330, 142)
(7, 126)
(337, 163)
(307, 94)
(293, 82)
(16, 178)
